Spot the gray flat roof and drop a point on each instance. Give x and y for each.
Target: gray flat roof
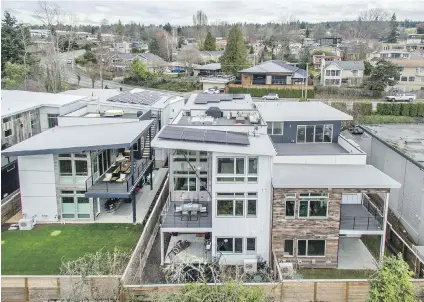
(309, 149)
(275, 111)
(65, 139)
(101, 94)
(211, 66)
(18, 101)
(235, 104)
(331, 176)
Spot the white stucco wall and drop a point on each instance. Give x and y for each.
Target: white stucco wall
(343, 159)
(44, 111)
(38, 187)
(258, 226)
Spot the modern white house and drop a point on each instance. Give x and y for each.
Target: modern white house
(342, 73)
(267, 181)
(95, 164)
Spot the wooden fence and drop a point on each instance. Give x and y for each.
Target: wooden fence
(43, 288)
(10, 206)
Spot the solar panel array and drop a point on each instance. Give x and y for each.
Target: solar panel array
(204, 135)
(216, 98)
(140, 98)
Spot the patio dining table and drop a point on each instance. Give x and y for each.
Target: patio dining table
(191, 207)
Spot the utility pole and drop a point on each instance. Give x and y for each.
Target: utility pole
(307, 78)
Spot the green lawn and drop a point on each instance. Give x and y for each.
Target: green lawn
(40, 251)
(333, 273)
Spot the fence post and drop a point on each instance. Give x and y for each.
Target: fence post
(58, 288)
(353, 222)
(347, 291)
(26, 290)
(315, 291)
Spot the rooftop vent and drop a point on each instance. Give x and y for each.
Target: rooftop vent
(114, 113)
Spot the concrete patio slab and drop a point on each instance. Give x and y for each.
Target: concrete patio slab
(353, 254)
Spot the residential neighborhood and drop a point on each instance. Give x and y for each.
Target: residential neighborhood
(165, 152)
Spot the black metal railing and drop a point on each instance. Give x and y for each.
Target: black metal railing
(373, 223)
(137, 170)
(171, 218)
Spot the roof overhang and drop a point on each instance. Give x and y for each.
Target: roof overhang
(306, 176)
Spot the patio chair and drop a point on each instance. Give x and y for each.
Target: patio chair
(194, 214)
(204, 211)
(186, 215)
(178, 211)
(108, 177)
(121, 178)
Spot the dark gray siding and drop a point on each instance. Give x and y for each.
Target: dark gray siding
(290, 128)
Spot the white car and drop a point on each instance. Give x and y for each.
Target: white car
(69, 61)
(407, 97)
(211, 91)
(270, 96)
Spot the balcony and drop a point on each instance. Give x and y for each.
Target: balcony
(364, 218)
(171, 219)
(117, 187)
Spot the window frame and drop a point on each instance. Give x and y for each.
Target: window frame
(309, 209)
(71, 167)
(245, 197)
(52, 120)
(307, 248)
(233, 252)
(324, 127)
(251, 252)
(292, 251)
(272, 127)
(294, 208)
(187, 177)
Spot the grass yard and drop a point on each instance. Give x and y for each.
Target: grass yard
(333, 273)
(41, 250)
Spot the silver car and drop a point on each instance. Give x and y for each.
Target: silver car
(401, 97)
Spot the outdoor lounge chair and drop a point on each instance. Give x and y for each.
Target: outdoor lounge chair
(108, 177)
(121, 178)
(185, 216)
(194, 214)
(204, 211)
(177, 210)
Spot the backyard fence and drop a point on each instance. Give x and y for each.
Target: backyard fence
(132, 273)
(10, 206)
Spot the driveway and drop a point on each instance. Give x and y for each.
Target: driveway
(353, 254)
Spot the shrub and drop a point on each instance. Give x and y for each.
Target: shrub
(396, 108)
(342, 106)
(420, 109)
(260, 92)
(386, 119)
(384, 108)
(405, 109)
(364, 108)
(413, 109)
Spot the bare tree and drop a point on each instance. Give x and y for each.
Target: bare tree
(200, 21)
(26, 41)
(190, 57)
(92, 71)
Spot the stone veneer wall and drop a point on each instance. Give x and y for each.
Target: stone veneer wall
(300, 228)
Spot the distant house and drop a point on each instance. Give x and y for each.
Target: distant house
(330, 41)
(211, 55)
(274, 73)
(208, 69)
(342, 73)
(412, 74)
(390, 54)
(317, 59)
(120, 61)
(221, 44)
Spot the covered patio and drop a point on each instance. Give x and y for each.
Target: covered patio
(353, 254)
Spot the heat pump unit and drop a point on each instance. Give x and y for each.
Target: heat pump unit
(26, 224)
(250, 265)
(286, 269)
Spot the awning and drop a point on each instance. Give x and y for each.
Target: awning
(68, 139)
(331, 176)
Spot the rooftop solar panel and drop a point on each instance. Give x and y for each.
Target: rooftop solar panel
(204, 135)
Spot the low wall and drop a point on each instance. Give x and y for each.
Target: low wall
(11, 205)
(132, 273)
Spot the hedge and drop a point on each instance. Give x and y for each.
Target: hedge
(400, 109)
(364, 108)
(387, 119)
(282, 93)
(342, 106)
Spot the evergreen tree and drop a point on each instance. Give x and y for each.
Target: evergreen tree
(210, 42)
(234, 57)
(251, 50)
(307, 32)
(394, 32)
(168, 28)
(154, 46)
(383, 74)
(12, 48)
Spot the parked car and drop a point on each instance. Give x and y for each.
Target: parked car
(407, 97)
(69, 61)
(270, 96)
(214, 90)
(177, 70)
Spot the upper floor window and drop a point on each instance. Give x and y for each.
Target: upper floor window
(411, 79)
(229, 165)
(354, 73)
(314, 133)
(332, 73)
(275, 128)
(52, 120)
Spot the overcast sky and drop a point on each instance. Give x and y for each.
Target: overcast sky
(180, 12)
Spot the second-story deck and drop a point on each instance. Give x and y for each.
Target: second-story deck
(173, 221)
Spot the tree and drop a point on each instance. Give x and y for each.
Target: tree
(139, 70)
(168, 28)
(391, 283)
(200, 21)
(307, 32)
(304, 58)
(189, 57)
(154, 46)
(383, 74)
(234, 57)
(92, 71)
(368, 68)
(14, 75)
(119, 30)
(394, 32)
(210, 42)
(12, 48)
(251, 50)
(420, 28)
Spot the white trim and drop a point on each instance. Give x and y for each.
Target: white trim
(256, 246)
(309, 203)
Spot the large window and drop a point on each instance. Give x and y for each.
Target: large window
(229, 245)
(231, 165)
(81, 167)
(288, 247)
(75, 205)
(236, 204)
(290, 208)
(52, 120)
(313, 208)
(252, 169)
(312, 248)
(250, 245)
(65, 167)
(185, 184)
(184, 155)
(275, 128)
(314, 133)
